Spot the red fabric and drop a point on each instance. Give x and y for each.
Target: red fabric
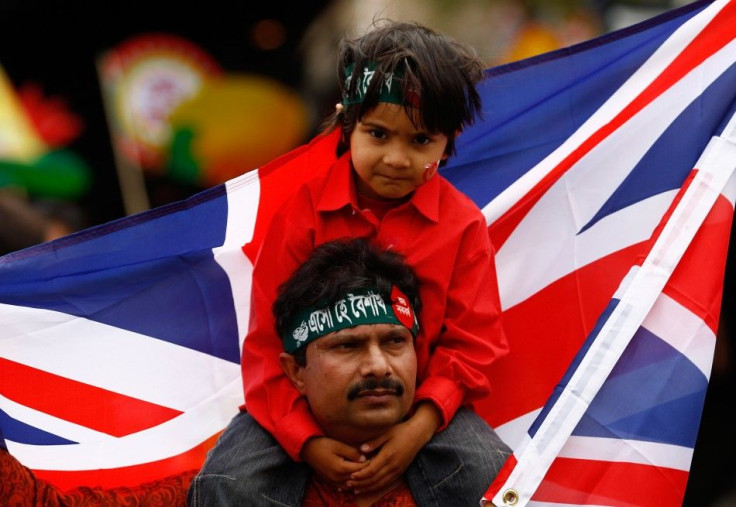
(445, 239)
(378, 208)
(19, 486)
(320, 494)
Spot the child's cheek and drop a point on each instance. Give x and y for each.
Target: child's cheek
(430, 170)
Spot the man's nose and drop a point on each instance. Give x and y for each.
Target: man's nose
(375, 363)
(397, 155)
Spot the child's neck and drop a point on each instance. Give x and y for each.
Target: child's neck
(379, 207)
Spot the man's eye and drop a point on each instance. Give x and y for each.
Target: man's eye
(345, 345)
(396, 340)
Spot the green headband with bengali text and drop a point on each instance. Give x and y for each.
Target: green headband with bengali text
(390, 91)
(353, 308)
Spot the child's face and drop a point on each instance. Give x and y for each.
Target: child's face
(390, 155)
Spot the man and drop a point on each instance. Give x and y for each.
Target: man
(347, 318)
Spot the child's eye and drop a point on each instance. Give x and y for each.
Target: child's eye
(378, 134)
(422, 139)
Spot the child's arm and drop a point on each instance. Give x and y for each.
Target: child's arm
(457, 372)
(269, 395)
(472, 336)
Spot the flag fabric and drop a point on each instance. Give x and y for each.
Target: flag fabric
(588, 240)
(604, 173)
(120, 344)
(627, 410)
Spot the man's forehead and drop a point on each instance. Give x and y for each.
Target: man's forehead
(365, 331)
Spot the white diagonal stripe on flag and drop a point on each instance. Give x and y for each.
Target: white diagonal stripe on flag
(111, 358)
(683, 330)
(654, 66)
(170, 438)
(561, 249)
(628, 451)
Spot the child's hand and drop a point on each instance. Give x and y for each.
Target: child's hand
(398, 447)
(332, 460)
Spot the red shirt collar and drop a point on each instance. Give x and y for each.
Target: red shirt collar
(339, 191)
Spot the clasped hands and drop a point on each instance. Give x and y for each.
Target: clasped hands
(377, 463)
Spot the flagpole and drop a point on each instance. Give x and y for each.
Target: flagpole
(130, 176)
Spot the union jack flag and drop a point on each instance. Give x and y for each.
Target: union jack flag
(615, 240)
(604, 171)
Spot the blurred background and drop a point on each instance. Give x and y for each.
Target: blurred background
(111, 108)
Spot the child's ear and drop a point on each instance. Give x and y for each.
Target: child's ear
(445, 154)
(292, 370)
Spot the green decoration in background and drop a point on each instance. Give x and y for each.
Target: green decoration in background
(60, 174)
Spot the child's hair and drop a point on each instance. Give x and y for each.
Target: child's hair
(439, 72)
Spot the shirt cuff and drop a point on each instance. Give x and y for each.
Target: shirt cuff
(294, 430)
(444, 394)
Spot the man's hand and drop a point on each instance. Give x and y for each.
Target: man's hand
(332, 460)
(398, 447)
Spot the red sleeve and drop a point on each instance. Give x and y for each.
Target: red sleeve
(472, 336)
(20, 486)
(269, 395)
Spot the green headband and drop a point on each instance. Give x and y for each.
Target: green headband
(391, 90)
(353, 308)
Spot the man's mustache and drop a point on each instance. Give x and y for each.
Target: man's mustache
(374, 384)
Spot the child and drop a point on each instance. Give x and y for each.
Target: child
(407, 92)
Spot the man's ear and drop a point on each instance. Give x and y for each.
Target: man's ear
(292, 370)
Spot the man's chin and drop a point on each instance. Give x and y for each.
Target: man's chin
(378, 419)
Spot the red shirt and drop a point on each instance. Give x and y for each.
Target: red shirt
(445, 240)
(321, 494)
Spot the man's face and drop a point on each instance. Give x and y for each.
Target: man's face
(391, 156)
(359, 381)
